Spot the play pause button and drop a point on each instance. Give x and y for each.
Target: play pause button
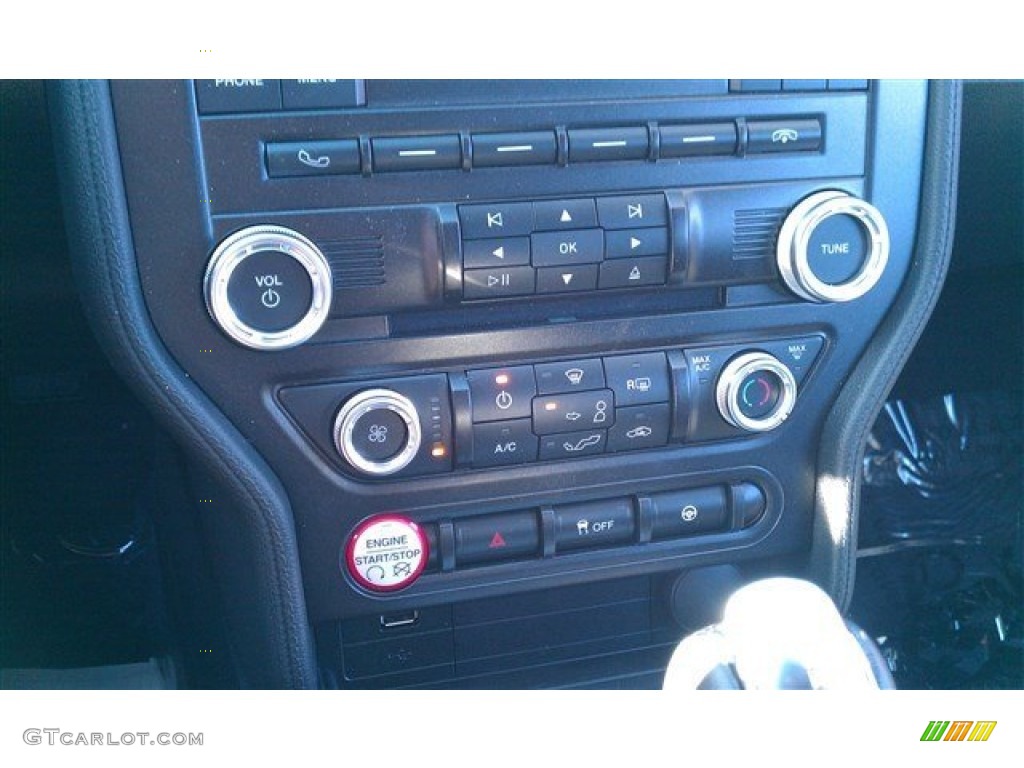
(567, 279)
(497, 283)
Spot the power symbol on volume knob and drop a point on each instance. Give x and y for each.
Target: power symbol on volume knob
(832, 247)
(270, 298)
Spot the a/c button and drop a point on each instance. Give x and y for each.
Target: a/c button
(500, 443)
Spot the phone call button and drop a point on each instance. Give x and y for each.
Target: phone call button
(312, 158)
(767, 136)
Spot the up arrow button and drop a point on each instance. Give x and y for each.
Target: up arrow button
(564, 214)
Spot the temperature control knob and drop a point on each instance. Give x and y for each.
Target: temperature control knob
(832, 247)
(755, 392)
(268, 287)
(378, 432)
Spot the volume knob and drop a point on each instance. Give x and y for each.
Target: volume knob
(832, 247)
(268, 287)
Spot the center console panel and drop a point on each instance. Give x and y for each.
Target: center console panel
(496, 338)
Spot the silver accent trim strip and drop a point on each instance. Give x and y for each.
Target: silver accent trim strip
(235, 249)
(791, 250)
(727, 391)
(358, 406)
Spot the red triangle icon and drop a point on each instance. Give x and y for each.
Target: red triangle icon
(497, 540)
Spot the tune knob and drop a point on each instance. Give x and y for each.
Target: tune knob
(377, 431)
(755, 392)
(268, 287)
(832, 247)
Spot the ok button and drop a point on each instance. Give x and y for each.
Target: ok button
(555, 249)
(270, 291)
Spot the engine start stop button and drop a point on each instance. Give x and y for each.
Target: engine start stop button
(387, 553)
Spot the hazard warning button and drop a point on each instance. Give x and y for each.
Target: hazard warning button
(494, 538)
(387, 553)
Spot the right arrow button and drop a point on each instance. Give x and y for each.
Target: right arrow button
(626, 243)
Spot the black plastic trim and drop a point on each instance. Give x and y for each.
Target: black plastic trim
(276, 649)
(841, 450)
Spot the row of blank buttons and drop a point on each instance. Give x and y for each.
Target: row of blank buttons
(451, 152)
